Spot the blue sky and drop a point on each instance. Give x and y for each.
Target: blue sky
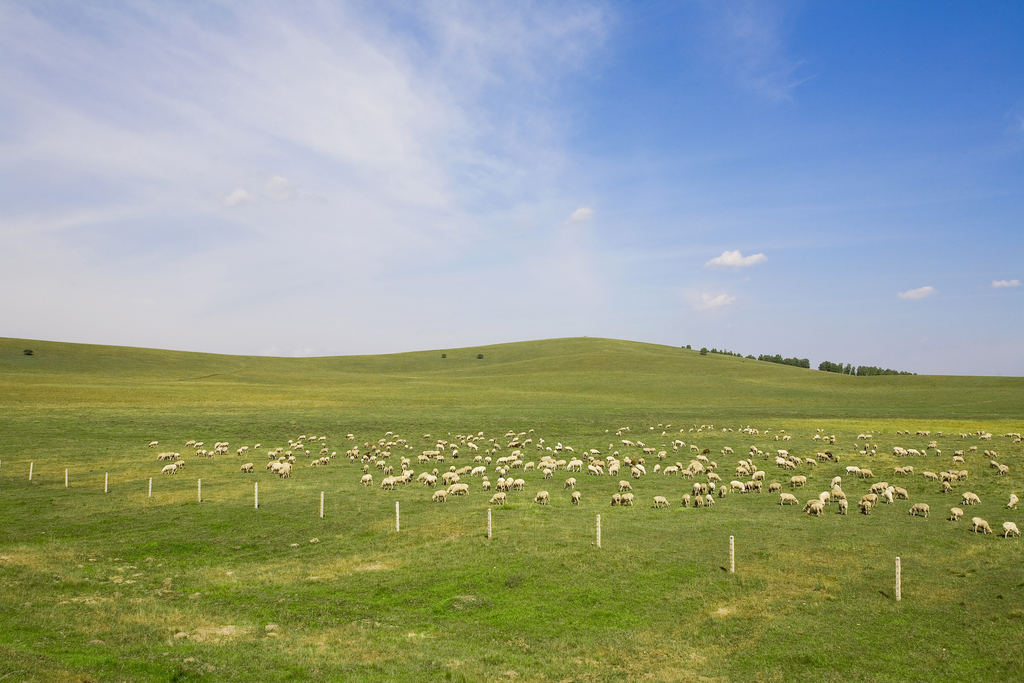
(836, 181)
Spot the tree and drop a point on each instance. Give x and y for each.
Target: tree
(479, 356)
(27, 352)
(704, 351)
(444, 355)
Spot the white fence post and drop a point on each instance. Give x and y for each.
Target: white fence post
(599, 531)
(256, 495)
(106, 482)
(397, 527)
(732, 555)
(151, 487)
(65, 477)
(30, 466)
(199, 490)
(321, 505)
(488, 522)
(899, 580)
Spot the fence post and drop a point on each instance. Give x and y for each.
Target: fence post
(488, 522)
(599, 531)
(396, 516)
(199, 490)
(106, 482)
(256, 495)
(732, 555)
(65, 477)
(30, 466)
(321, 505)
(151, 487)
(899, 581)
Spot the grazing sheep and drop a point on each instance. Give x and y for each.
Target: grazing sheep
(625, 485)
(686, 500)
(1012, 505)
(814, 507)
(722, 491)
(458, 489)
(247, 467)
(920, 510)
(930, 475)
(660, 501)
(169, 469)
(1010, 529)
(709, 500)
(955, 514)
(981, 524)
(575, 497)
(616, 499)
(798, 480)
(774, 487)
(844, 505)
(570, 483)
(367, 480)
(866, 474)
(388, 483)
(498, 498)
(627, 499)
(825, 497)
(865, 506)
(901, 493)
(698, 501)
(971, 498)
(836, 481)
(788, 499)
(440, 496)
(542, 498)
(518, 484)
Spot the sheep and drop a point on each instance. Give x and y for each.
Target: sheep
(1010, 529)
(981, 524)
(774, 487)
(798, 480)
(575, 497)
(971, 498)
(787, 499)
(285, 470)
(169, 469)
(844, 505)
(930, 475)
(498, 498)
(154, 443)
(878, 487)
(660, 501)
(825, 497)
(247, 467)
(542, 498)
(570, 483)
(458, 489)
(625, 486)
(440, 496)
(627, 499)
(518, 484)
(1012, 505)
(955, 514)
(388, 483)
(865, 506)
(1003, 469)
(723, 490)
(920, 510)
(709, 500)
(866, 474)
(814, 507)
(686, 500)
(616, 499)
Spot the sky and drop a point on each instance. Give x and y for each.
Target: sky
(835, 181)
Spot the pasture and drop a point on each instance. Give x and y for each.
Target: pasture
(124, 586)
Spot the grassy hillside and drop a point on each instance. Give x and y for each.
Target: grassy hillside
(121, 586)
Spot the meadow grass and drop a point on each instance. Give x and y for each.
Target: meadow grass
(124, 587)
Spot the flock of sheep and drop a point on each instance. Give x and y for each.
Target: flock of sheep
(456, 462)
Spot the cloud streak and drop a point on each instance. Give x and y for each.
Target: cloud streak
(734, 259)
(710, 302)
(996, 284)
(919, 293)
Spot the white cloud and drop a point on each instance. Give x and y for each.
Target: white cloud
(919, 293)
(279, 189)
(711, 301)
(996, 284)
(581, 214)
(735, 259)
(238, 196)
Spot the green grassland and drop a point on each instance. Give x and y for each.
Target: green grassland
(120, 586)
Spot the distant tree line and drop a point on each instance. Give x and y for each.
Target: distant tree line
(795, 362)
(860, 370)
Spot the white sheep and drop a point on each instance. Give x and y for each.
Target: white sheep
(981, 524)
(625, 485)
(570, 483)
(616, 499)
(920, 510)
(660, 501)
(169, 469)
(844, 505)
(865, 506)
(458, 489)
(367, 480)
(1010, 529)
(542, 498)
(440, 496)
(575, 497)
(788, 499)
(798, 480)
(247, 467)
(971, 498)
(1012, 505)
(709, 500)
(498, 498)
(814, 507)
(627, 499)
(955, 514)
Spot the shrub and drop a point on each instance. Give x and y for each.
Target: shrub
(479, 356)
(27, 352)
(704, 351)
(444, 355)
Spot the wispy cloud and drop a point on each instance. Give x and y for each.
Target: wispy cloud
(734, 259)
(279, 189)
(238, 196)
(919, 293)
(996, 284)
(581, 214)
(708, 302)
